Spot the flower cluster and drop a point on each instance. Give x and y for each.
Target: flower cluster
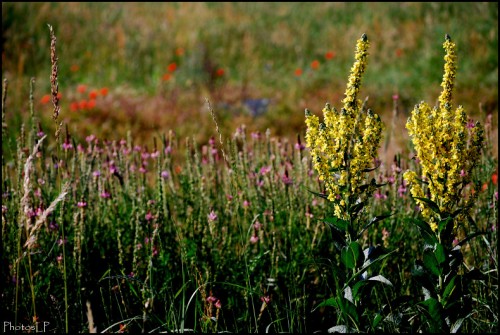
(447, 147)
(345, 144)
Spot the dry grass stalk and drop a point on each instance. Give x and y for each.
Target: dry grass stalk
(32, 236)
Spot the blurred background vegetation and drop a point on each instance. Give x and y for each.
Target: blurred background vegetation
(260, 64)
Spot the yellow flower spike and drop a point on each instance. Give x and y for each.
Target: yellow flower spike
(346, 143)
(447, 151)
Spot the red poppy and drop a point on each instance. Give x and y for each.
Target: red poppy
(485, 186)
(45, 99)
(104, 91)
(59, 95)
(83, 104)
(494, 178)
(91, 104)
(73, 106)
(179, 51)
(298, 72)
(219, 72)
(93, 94)
(166, 76)
(172, 67)
(315, 64)
(74, 68)
(81, 88)
(330, 55)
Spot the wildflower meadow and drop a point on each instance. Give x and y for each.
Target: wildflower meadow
(249, 231)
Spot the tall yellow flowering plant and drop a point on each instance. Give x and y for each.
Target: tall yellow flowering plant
(447, 149)
(344, 146)
(343, 150)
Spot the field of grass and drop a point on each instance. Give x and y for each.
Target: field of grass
(157, 200)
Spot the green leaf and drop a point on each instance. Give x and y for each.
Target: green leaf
(448, 291)
(431, 204)
(352, 256)
(440, 253)
(354, 210)
(425, 230)
(330, 302)
(360, 287)
(349, 310)
(376, 320)
(337, 223)
(366, 265)
(431, 262)
(435, 310)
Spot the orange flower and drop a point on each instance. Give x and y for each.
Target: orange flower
(81, 88)
(298, 72)
(485, 186)
(219, 72)
(45, 99)
(91, 104)
(104, 91)
(73, 107)
(330, 55)
(74, 68)
(171, 67)
(179, 51)
(178, 169)
(59, 95)
(83, 104)
(93, 94)
(494, 178)
(166, 76)
(315, 64)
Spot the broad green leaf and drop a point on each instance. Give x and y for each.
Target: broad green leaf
(376, 321)
(349, 310)
(448, 291)
(435, 310)
(366, 265)
(425, 230)
(440, 253)
(431, 204)
(352, 256)
(332, 302)
(431, 262)
(337, 223)
(359, 288)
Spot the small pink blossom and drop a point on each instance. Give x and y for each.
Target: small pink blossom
(257, 225)
(212, 216)
(105, 195)
(212, 299)
(81, 204)
(67, 145)
(149, 216)
(265, 299)
(218, 304)
(96, 173)
(165, 174)
(59, 259)
(254, 239)
(90, 138)
(265, 169)
(246, 203)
